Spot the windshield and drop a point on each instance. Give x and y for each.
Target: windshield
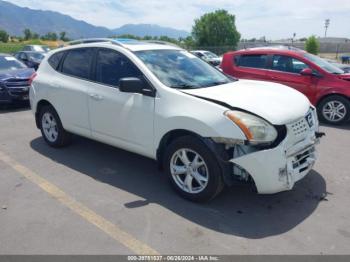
(37, 56)
(10, 63)
(210, 54)
(180, 69)
(324, 64)
(40, 48)
(46, 48)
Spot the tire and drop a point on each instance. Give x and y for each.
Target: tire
(52, 129)
(187, 183)
(334, 110)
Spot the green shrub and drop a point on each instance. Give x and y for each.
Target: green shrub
(312, 45)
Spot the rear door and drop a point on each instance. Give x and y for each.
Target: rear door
(69, 89)
(251, 66)
(286, 70)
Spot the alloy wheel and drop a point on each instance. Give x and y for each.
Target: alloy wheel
(189, 171)
(334, 111)
(49, 126)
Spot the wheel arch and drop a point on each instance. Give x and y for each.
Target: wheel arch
(221, 154)
(168, 138)
(320, 99)
(39, 106)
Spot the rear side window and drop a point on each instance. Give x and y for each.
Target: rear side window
(111, 66)
(55, 60)
(254, 61)
(78, 62)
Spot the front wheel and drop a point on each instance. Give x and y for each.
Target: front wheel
(334, 110)
(193, 169)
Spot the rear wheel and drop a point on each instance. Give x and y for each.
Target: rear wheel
(193, 169)
(52, 129)
(334, 110)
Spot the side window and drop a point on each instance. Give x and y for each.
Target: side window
(112, 66)
(287, 64)
(254, 61)
(78, 62)
(55, 60)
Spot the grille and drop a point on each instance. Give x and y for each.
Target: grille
(299, 128)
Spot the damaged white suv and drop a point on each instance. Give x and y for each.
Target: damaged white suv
(206, 129)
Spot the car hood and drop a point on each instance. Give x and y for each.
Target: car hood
(18, 73)
(274, 102)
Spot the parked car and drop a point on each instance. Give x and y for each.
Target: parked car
(208, 56)
(15, 80)
(344, 67)
(326, 86)
(31, 59)
(205, 129)
(36, 48)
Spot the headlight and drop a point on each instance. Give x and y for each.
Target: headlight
(256, 129)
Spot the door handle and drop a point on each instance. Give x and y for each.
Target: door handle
(96, 97)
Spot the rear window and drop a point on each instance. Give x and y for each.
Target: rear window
(10, 63)
(78, 62)
(55, 60)
(254, 61)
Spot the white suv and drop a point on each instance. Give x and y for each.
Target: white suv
(206, 129)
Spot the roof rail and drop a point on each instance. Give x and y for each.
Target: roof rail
(92, 40)
(159, 42)
(120, 42)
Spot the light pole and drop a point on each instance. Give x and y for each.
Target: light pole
(294, 35)
(326, 25)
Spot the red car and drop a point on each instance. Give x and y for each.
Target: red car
(326, 86)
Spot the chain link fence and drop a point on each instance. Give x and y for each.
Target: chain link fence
(334, 48)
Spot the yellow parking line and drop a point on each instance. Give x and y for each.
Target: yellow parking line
(106, 226)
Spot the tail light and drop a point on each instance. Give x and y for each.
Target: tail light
(30, 81)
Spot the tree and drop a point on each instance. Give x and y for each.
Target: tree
(63, 36)
(27, 34)
(51, 36)
(35, 36)
(4, 36)
(216, 29)
(312, 45)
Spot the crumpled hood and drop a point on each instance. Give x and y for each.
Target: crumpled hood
(274, 102)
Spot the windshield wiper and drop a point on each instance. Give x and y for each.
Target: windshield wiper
(217, 83)
(184, 86)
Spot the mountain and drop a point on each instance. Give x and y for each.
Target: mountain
(150, 30)
(14, 19)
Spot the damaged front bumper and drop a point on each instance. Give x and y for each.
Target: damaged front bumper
(279, 168)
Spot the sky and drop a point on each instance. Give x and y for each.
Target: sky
(274, 19)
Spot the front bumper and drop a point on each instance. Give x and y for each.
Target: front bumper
(278, 169)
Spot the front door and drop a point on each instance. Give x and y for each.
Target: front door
(121, 119)
(286, 70)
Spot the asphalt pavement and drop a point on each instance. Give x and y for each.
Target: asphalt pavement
(91, 198)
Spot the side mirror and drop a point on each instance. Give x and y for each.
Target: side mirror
(307, 72)
(135, 85)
